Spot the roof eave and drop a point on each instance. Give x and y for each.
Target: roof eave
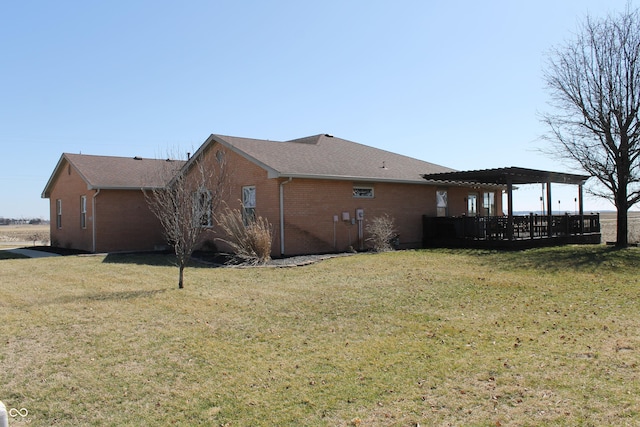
(419, 181)
(46, 193)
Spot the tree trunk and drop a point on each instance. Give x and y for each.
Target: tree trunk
(622, 228)
(181, 277)
(622, 205)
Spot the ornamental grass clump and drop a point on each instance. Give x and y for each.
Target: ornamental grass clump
(249, 236)
(382, 232)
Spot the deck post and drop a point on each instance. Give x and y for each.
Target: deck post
(549, 210)
(531, 225)
(509, 209)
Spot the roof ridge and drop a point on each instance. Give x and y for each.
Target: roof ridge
(119, 157)
(313, 139)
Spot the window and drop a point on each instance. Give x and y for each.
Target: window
(83, 211)
(472, 204)
(59, 213)
(442, 202)
(489, 203)
(363, 192)
(220, 156)
(248, 204)
(202, 206)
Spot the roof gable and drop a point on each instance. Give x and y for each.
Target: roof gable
(327, 157)
(116, 173)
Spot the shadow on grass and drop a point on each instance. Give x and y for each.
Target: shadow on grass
(110, 296)
(569, 258)
(4, 254)
(168, 259)
(158, 259)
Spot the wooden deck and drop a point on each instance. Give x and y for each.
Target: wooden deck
(516, 232)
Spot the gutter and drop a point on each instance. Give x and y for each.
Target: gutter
(282, 214)
(93, 219)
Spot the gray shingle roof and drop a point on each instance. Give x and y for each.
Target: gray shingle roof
(121, 173)
(324, 156)
(318, 156)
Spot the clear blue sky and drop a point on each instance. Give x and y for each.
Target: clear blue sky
(454, 83)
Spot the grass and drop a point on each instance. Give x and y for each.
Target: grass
(436, 337)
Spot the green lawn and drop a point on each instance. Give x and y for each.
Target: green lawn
(435, 337)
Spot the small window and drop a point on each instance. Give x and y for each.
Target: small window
(59, 213)
(83, 211)
(202, 207)
(248, 204)
(442, 202)
(363, 192)
(472, 204)
(220, 156)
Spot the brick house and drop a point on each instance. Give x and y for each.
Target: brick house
(317, 192)
(96, 203)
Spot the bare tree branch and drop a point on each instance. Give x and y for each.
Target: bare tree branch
(187, 205)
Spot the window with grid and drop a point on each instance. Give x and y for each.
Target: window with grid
(59, 213)
(442, 202)
(360, 192)
(248, 204)
(83, 211)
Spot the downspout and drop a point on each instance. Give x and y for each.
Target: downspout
(93, 219)
(282, 214)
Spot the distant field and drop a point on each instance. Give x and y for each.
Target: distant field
(12, 235)
(608, 227)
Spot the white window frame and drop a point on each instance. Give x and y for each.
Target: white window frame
(248, 203)
(442, 202)
(59, 213)
(489, 202)
(472, 204)
(83, 211)
(363, 192)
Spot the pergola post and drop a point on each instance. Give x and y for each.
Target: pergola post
(509, 209)
(581, 207)
(549, 210)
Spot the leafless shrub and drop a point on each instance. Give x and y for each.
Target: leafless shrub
(382, 232)
(249, 236)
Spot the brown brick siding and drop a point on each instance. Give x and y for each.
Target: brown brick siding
(123, 220)
(125, 223)
(310, 206)
(68, 188)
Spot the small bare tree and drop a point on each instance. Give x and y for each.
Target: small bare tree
(187, 204)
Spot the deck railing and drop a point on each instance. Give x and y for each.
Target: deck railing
(520, 227)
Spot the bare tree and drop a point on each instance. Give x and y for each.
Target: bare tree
(594, 82)
(187, 205)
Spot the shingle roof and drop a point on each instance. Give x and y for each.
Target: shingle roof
(116, 173)
(328, 157)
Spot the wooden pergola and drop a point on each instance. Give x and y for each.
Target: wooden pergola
(510, 176)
